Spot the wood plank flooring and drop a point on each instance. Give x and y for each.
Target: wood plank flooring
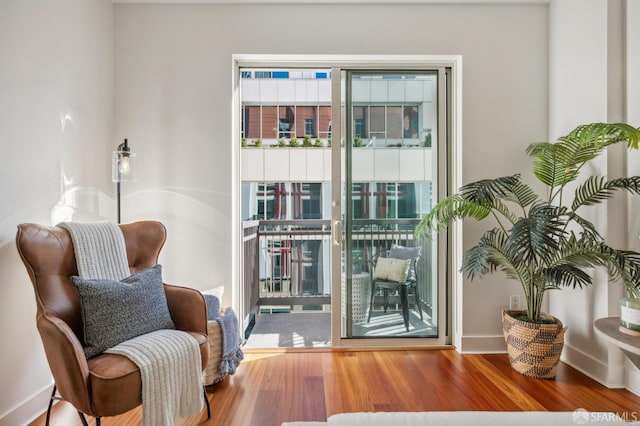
(272, 387)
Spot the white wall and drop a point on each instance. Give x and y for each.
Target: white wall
(56, 125)
(578, 94)
(586, 66)
(173, 101)
(633, 65)
(632, 103)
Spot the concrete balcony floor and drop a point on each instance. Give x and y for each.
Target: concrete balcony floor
(308, 329)
(291, 330)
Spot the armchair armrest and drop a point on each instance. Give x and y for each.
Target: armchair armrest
(67, 361)
(187, 308)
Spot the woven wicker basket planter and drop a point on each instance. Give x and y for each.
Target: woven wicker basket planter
(534, 349)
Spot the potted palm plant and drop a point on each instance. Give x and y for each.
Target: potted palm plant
(542, 241)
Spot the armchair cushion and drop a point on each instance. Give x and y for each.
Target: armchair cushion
(390, 269)
(115, 311)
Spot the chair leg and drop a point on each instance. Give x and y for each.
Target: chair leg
(404, 302)
(53, 398)
(416, 293)
(373, 295)
(386, 300)
(206, 401)
(83, 419)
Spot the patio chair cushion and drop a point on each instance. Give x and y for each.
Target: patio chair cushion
(115, 311)
(401, 252)
(390, 269)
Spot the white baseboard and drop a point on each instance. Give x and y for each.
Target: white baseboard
(29, 410)
(633, 377)
(601, 372)
(585, 363)
(588, 365)
(482, 344)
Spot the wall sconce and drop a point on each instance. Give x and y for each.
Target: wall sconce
(122, 169)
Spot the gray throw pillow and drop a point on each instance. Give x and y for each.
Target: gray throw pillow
(401, 252)
(115, 311)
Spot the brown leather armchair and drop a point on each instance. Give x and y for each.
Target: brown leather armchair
(108, 384)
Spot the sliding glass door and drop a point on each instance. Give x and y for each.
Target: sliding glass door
(392, 152)
(340, 159)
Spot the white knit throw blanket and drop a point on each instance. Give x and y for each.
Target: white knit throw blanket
(169, 360)
(100, 250)
(171, 387)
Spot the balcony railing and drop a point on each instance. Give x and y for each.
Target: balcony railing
(287, 262)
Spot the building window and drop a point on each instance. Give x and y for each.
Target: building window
(263, 74)
(391, 125)
(309, 128)
(377, 124)
(360, 116)
(270, 125)
(286, 121)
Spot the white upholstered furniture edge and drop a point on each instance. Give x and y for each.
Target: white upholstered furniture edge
(475, 418)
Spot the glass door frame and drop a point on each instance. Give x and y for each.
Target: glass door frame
(449, 165)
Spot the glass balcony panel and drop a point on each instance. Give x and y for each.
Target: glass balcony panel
(384, 211)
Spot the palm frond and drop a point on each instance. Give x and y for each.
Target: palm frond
(475, 200)
(486, 191)
(597, 189)
(589, 230)
(566, 275)
(553, 163)
(500, 207)
(519, 192)
(605, 134)
(491, 253)
(449, 210)
(623, 265)
(508, 188)
(534, 239)
(586, 142)
(573, 256)
(583, 253)
(557, 164)
(475, 262)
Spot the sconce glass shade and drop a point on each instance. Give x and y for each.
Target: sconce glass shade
(123, 166)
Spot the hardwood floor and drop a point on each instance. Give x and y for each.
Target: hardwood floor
(272, 387)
